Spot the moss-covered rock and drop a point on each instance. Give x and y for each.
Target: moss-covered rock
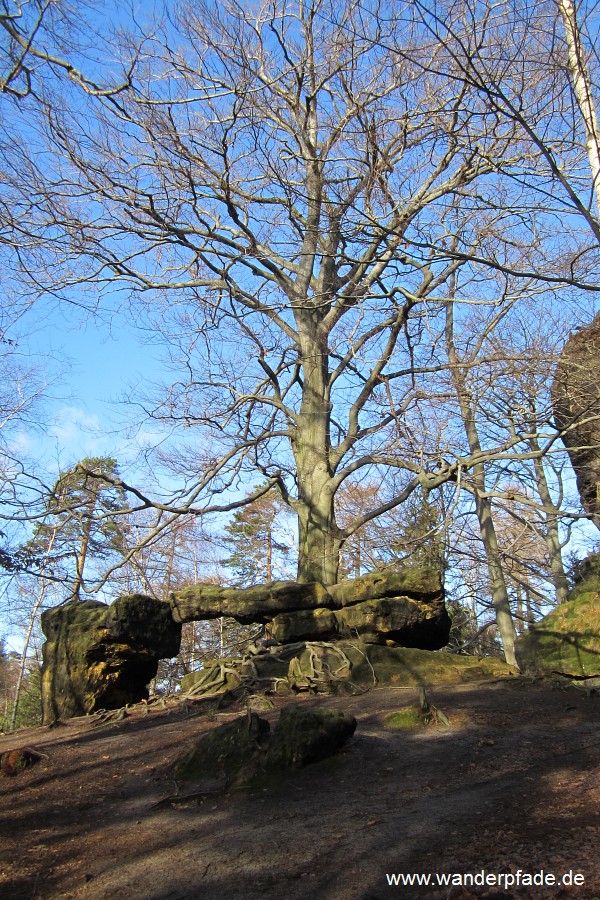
(586, 576)
(231, 754)
(245, 751)
(303, 736)
(406, 717)
(303, 625)
(567, 641)
(346, 666)
(419, 583)
(404, 620)
(260, 603)
(103, 657)
(576, 404)
(407, 666)
(404, 606)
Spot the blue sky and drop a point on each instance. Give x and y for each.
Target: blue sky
(89, 365)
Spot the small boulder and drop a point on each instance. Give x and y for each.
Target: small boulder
(304, 736)
(13, 762)
(228, 755)
(245, 751)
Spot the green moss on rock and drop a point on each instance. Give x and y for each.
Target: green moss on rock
(406, 717)
(103, 657)
(231, 753)
(567, 641)
(303, 736)
(407, 666)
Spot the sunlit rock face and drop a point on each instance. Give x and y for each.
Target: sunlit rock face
(565, 642)
(103, 657)
(576, 404)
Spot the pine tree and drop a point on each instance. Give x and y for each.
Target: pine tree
(252, 538)
(81, 521)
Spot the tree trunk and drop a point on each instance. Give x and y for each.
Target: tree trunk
(483, 505)
(319, 540)
(583, 93)
(552, 535)
(23, 663)
(499, 592)
(81, 556)
(269, 553)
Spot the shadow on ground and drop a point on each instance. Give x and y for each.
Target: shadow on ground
(512, 783)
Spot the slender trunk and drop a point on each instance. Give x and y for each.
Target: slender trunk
(81, 556)
(499, 592)
(483, 505)
(530, 615)
(269, 554)
(583, 92)
(23, 662)
(318, 535)
(551, 535)
(520, 624)
(32, 619)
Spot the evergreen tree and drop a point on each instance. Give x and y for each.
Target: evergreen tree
(252, 539)
(81, 521)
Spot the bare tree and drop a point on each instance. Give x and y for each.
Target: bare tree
(272, 186)
(583, 92)
(459, 369)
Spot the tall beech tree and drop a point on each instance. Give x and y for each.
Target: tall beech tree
(271, 184)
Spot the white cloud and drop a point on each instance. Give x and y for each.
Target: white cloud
(78, 432)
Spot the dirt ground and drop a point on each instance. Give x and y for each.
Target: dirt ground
(512, 783)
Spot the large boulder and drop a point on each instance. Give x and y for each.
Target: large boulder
(103, 657)
(259, 603)
(576, 404)
(565, 642)
(402, 620)
(406, 607)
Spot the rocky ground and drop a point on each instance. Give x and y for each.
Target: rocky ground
(513, 782)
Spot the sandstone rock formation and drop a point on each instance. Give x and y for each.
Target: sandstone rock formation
(228, 755)
(405, 607)
(565, 642)
(103, 657)
(336, 667)
(303, 736)
(576, 404)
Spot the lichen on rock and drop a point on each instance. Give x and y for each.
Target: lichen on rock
(103, 657)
